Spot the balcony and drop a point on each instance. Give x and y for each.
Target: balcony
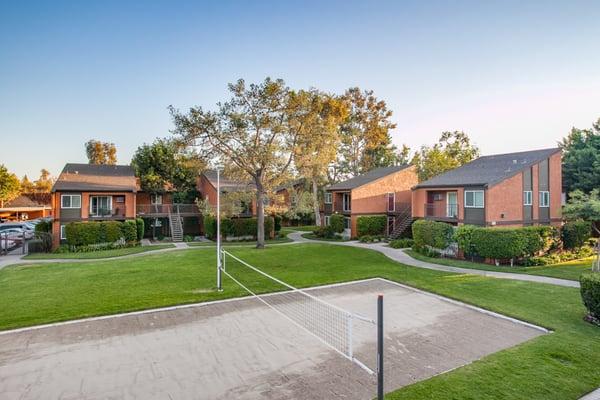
(163, 210)
(441, 211)
(108, 213)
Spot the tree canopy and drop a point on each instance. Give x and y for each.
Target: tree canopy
(254, 132)
(164, 164)
(101, 152)
(584, 206)
(10, 187)
(453, 150)
(581, 159)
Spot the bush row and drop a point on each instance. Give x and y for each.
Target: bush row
(574, 234)
(372, 225)
(371, 238)
(89, 233)
(237, 227)
(432, 234)
(590, 292)
(402, 243)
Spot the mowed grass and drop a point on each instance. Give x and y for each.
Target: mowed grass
(570, 270)
(241, 243)
(97, 254)
(560, 365)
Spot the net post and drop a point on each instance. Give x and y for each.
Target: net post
(219, 277)
(350, 345)
(380, 347)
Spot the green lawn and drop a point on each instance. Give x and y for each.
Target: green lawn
(568, 270)
(97, 254)
(235, 244)
(303, 228)
(560, 365)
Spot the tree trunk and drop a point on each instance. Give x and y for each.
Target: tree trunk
(260, 215)
(315, 196)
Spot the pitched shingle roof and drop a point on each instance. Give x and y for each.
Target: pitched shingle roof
(488, 170)
(365, 178)
(92, 177)
(39, 200)
(227, 184)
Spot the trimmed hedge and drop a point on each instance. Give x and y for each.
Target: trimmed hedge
(44, 226)
(236, 227)
(336, 221)
(464, 238)
(498, 243)
(574, 234)
(401, 243)
(432, 233)
(87, 233)
(590, 292)
(140, 228)
(371, 225)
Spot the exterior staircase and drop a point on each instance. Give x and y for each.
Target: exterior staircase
(176, 226)
(402, 220)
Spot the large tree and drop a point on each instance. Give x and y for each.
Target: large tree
(585, 206)
(101, 152)
(252, 132)
(44, 182)
(453, 150)
(581, 159)
(165, 162)
(365, 136)
(10, 187)
(317, 117)
(26, 185)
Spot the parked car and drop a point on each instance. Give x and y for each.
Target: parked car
(7, 244)
(16, 234)
(20, 225)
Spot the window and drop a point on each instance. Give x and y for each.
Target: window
(156, 199)
(544, 199)
(70, 201)
(474, 199)
(327, 220)
(328, 197)
(346, 201)
(63, 233)
(391, 201)
(438, 197)
(100, 206)
(119, 199)
(527, 198)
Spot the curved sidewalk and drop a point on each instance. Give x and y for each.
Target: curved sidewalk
(400, 256)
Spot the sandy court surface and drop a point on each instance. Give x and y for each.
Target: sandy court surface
(242, 349)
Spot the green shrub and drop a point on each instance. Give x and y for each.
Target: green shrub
(36, 246)
(371, 225)
(88, 233)
(336, 221)
(44, 226)
(129, 230)
(432, 233)
(111, 231)
(277, 222)
(43, 243)
(498, 243)
(590, 292)
(188, 238)
(574, 234)
(401, 243)
(464, 238)
(533, 240)
(239, 227)
(140, 228)
(210, 227)
(325, 232)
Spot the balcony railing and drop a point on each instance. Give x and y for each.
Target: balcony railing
(441, 211)
(166, 209)
(116, 212)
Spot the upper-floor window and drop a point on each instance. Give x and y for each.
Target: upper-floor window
(156, 199)
(474, 199)
(527, 198)
(544, 199)
(328, 198)
(70, 201)
(327, 220)
(391, 201)
(346, 201)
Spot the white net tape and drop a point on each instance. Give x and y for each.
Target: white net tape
(330, 324)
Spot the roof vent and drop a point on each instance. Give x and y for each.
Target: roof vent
(514, 161)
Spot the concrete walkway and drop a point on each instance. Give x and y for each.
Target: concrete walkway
(400, 256)
(595, 395)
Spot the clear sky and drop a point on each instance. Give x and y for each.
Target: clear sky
(513, 75)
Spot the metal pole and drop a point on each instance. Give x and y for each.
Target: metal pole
(219, 283)
(380, 347)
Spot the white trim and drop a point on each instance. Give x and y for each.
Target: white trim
(328, 198)
(393, 196)
(482, 198)
(71, 197)
(543, 194)
(63, 232)
(527, 197)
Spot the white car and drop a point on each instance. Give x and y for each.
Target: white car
(16, 234)
(7, 244)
